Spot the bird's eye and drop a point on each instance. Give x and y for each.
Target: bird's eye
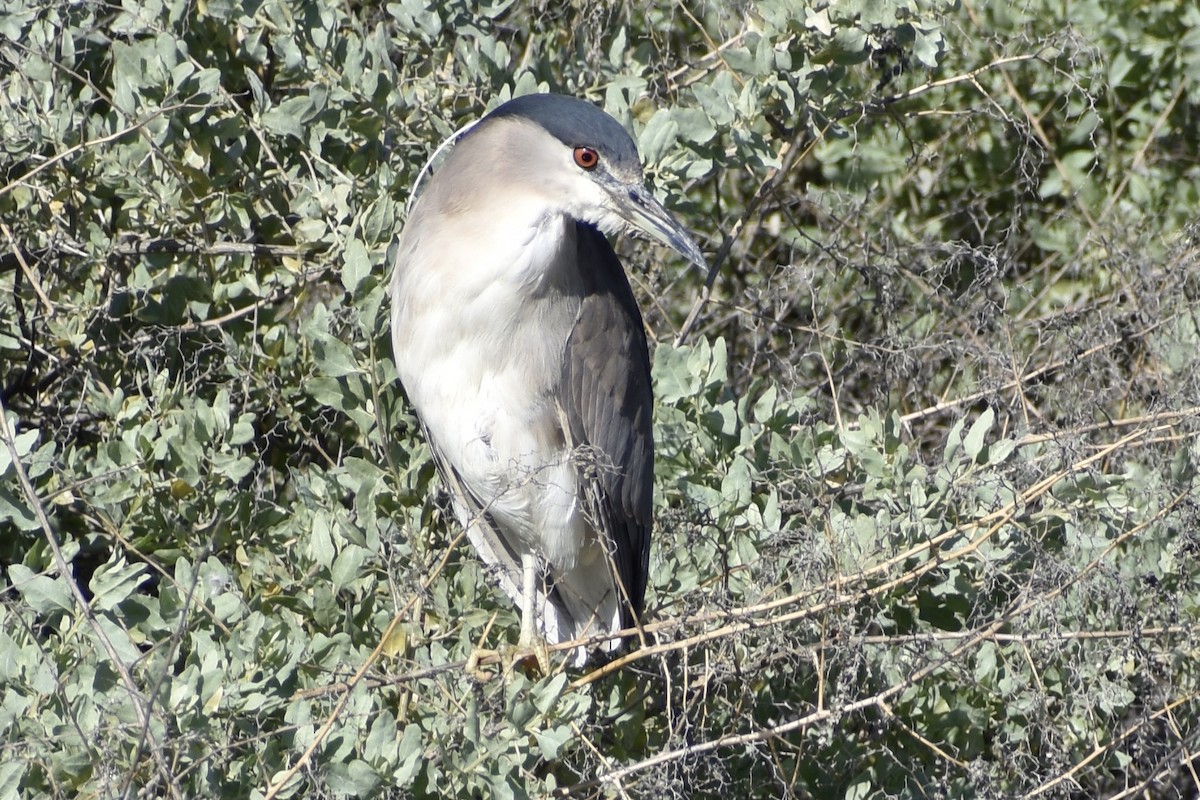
(586, 157)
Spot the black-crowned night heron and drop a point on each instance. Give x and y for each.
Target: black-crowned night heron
(521, 348)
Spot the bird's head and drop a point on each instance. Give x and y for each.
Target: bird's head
(581, 161)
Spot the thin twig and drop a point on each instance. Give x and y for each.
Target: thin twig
(766, 734)
(143, 247)
(1028, 376)
(70, 151)
(973, 639)
(788, 154)
(966, 77)
(751, 617)
(141, 705)
(281, 782)
(25, 268)
(1102, 749)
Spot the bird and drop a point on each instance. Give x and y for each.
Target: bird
(521, 349)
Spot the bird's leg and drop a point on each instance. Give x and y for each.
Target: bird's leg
(528, 599)
(530, 646)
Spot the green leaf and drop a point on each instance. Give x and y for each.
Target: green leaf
(320, 542)
(23, 442)
(356, 265)
(550, 742)
(819, 21)
(115, 582)
(546, 693)
(736, 486)
(928, 47)
(974, 440)
(953, 440)
(658, 136)
(355, 779)
(859, 789)
(694, 125)
(14, 508)
(334, 357)
(383, 742)
(675, 376)
(999, 450)
(411, 755)
(985, 663)
(118, 636)
(10, 779)
(288, 117)
(348, 565)
(43, 593)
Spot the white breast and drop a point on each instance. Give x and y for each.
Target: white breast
(479, 331)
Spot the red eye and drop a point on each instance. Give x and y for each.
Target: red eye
(586, 157)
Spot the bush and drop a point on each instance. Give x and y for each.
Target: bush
(926, 490)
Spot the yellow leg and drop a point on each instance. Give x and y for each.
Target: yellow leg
(531, 646)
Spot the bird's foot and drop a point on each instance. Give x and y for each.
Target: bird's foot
(532, 658)
(479, 656)
(533, 661)
(482, 654)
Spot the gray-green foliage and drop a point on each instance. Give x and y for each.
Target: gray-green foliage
(926, 469)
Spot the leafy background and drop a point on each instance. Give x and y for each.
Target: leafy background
(927, 508)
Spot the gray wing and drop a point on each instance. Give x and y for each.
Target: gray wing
(605, 398)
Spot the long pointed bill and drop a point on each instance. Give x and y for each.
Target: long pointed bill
(641, 210)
